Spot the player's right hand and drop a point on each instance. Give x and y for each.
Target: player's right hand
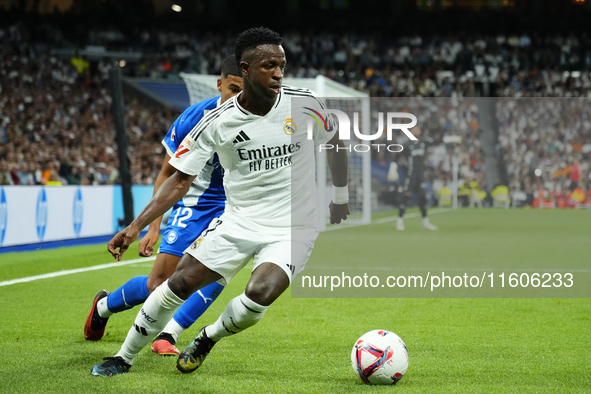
(147, 243)
(121, 241)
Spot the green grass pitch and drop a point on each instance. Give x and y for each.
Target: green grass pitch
(303, 345)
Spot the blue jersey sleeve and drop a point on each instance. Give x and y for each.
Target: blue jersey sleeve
(185, 123)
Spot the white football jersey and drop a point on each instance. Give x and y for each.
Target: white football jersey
(268, 161)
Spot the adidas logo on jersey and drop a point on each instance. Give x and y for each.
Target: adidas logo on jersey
(241, 137)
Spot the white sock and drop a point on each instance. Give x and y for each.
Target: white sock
(156, 311)
(102, 309)
(240, 313)
(174, 329)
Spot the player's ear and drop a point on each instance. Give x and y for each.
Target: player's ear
(244, 67)
(219, 85)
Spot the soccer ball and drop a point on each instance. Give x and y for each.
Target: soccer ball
(379, 357)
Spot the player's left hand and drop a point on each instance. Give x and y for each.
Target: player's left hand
(338, 212)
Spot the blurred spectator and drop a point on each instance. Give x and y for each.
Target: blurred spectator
(6, 176)
(73, 177)
(53, 180)
(80, 64)
(574, 175)
(30, 174)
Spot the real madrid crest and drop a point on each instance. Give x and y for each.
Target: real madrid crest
(197, 243)
(289, 126)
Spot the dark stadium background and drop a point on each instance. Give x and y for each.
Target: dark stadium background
(427, 16)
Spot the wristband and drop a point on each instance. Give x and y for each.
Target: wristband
(340, 195)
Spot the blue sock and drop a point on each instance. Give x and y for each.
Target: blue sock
(197, 304)
(132, 293)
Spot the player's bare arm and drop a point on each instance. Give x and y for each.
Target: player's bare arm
(169, 193)
(338, 164)
(146, 244)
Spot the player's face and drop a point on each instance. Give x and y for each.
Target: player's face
(264, 68)
(416, 131)
(229, 86)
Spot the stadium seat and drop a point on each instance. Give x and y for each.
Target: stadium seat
(500, 197)
(445, 197)
(501, 201)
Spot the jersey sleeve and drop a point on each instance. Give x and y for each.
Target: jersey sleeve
(196, 149)
(171, 140)
(182, 126)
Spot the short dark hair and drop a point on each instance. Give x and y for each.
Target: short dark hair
(252, 38)
(230, 67)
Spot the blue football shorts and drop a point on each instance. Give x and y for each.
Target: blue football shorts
(186, 224)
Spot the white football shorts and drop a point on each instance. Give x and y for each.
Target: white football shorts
(231, 241)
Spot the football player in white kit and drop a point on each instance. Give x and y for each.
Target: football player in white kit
(270, 215)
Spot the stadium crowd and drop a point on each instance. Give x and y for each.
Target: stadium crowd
(393, 66)
(546, 147)
(56, 125)
(501, 64)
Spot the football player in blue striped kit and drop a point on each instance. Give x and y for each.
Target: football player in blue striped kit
(190, 216)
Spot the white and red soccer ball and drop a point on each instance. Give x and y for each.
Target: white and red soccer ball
(379, 357)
